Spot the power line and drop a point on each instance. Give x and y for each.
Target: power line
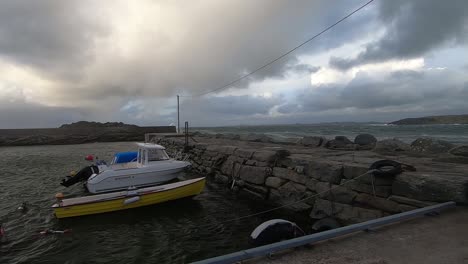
(283, 55)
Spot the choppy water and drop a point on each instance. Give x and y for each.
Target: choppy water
(166, 233)
(452, 133)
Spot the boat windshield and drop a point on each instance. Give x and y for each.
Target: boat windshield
(157, 154)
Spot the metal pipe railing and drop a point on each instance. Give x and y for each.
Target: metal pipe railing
(304, 240)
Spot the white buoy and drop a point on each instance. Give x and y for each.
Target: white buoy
(275, 230)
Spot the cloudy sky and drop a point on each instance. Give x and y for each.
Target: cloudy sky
(65, 61)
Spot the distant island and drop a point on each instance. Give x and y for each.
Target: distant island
(79, 133)
(86, 124)
(433, 120)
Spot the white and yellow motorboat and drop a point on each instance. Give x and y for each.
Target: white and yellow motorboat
(122, 200)
(149, 166)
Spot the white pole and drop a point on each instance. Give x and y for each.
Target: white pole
(178, 116)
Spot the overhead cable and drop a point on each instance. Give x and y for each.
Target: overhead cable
(281, 56)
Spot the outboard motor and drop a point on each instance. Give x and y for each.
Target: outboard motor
(82, 175)
(274, 231)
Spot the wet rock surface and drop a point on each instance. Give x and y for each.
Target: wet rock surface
(274, 182)
(409, 201)
(253, 174)
(431, 145)
(288, 174)
(346, 213)
(460, 151)
(432, 187)
(365, 140)
(340, 142)
(391, 146)
(312, 141)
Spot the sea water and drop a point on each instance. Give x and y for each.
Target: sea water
(456, 133)
(174, 232)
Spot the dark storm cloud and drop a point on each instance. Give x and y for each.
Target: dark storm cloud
(205, 111)
(305, 69)
(20, 114)
(214, 54)
(403, 74)
(413, 29)
(72, 42)
(55, 37)
(230, 105)
(223, 110)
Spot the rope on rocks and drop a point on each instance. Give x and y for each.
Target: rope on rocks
(269, 210)
(373, 185)
(234, 181)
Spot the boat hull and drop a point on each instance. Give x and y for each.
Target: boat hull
(126, 200)
(121, 179)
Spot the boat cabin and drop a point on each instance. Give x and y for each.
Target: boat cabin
(149, 152)
(125, 157)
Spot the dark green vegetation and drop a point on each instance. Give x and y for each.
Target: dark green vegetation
(86, 124)
(433, 120)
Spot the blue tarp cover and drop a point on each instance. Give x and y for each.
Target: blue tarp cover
(123, 157)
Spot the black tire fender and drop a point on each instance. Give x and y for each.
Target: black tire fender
(378, 165)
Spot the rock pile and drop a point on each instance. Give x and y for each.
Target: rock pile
(361, 142)
(365, 141)
(460, 151)
(431, 145)
(341, 142)
(387, 146)
(313, 141)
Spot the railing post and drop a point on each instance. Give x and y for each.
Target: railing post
(186, 134)
(178, 116)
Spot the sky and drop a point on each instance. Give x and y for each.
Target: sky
(126, 61)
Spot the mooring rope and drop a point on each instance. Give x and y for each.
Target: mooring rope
(269, 210)
(272, 209)
(373, 185)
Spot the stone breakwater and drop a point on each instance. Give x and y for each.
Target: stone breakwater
(329, 170)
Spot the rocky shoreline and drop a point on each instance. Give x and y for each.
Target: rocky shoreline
(331, 171)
